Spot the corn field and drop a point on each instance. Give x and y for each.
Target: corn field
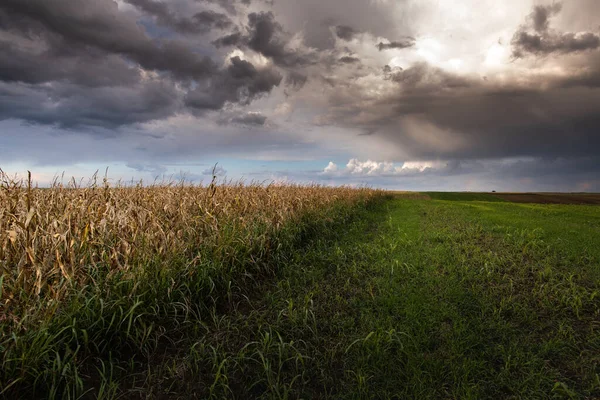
(164, 249)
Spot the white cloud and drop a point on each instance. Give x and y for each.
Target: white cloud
(330, 168)
(355, 167)
(423, 165)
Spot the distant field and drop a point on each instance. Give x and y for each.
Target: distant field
(541, 198)
(550, 198)
(462, 196)
(292, 292)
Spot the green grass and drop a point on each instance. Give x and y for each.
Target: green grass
(424, 299)
(400, 299)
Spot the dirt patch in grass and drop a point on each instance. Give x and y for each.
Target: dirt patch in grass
(551, 198)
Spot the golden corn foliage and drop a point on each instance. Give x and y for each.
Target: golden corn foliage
(52, 239)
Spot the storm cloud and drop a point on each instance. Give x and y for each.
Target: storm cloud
(200, 22)
(93, 64)
(345, 32)
(544, 41)
(466, 83)
(240, 83)
(427, 111)
(349, 60)
(266, 36)
(100, 25)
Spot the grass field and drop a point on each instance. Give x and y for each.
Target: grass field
(369, 296)
(537, 198)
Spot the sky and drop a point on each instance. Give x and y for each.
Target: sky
(473, 95)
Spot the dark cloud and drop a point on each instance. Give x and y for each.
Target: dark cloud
(228, 5)
(296, 80)
(345, 32)
(210, 20)
(524, 42)
(545, 41)
(267, 37)
(70, 106)
(56, 51)
(201, 22)
(32, 54)
(263, 34)
(91, 68)
(101, 25)
(436, 114)
(471, 124)
(349, 60)
(233, 39)
(240, 83)
(402, 44)
(541, 15)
